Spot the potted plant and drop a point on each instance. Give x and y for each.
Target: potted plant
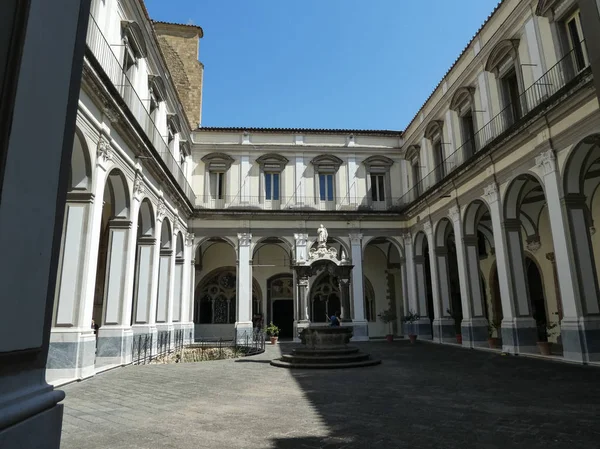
(388, 317)
(410, 319)
(545, 331)
(493, 342)
(457, 321)
(272, 332)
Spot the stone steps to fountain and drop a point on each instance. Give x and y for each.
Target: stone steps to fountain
(281, 364)
(359, 357)
(325, 352)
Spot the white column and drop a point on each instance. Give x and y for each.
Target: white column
(474, 324)
(411, 287)
(579, 295)
(511, 338)
(187, 288)
(361, 327)
(301, 310)
(435, 283)
(243, 325)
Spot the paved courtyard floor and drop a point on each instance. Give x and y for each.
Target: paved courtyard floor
(422, 396)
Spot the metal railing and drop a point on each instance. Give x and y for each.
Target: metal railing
(550, 83)
(242, 343)
(140, 109)
(291, 203)
(167, 342)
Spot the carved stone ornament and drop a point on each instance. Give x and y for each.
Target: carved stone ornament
(301, 239)
(490, 193)
(111, 114)
(322, 236)
(592, 230)
(534, 245)
(104, 150)
(161, 209)
(322, 253)
(427, 227)
(176, 227)
(407, 238)
(189, 239)
(546, 161)
(454, 213)
(138, 185)
(244, 239)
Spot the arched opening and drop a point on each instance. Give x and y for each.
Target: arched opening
(527, 226)
(480, 256)
(140, 312)
(178, 292)
(423, 281)
(382, 284)
(582, 202)
(280, 300)
(325, 297)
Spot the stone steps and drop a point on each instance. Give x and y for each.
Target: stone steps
(344, 358)
(281, 364)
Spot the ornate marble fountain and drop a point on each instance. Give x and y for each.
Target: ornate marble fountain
(325, 347)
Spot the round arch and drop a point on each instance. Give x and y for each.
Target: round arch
(80, 174)
(394, 243)
(116, 190)
(166, 234)
(146, 220)
(179, 246)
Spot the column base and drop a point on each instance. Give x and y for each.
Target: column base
(444, 330)
(475, 332)
(188, 333)
(299, 326)
(421, 328)
(42, 430)
(360, 330)
(71, 355)
(581, 339)
(519, 335)
(115, 345)
(243, 330)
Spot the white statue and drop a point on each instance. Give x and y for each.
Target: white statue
(322, 236)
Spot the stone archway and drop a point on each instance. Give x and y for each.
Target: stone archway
(425, 305)
(280, 303)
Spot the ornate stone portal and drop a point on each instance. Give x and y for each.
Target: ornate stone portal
(320, 259)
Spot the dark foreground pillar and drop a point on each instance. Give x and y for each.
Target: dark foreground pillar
(41, 54)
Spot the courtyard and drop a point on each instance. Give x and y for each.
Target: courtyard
(421, 396)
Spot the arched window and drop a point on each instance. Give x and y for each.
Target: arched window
(326, 167)
(215, 302)
(504, 63)
(463, 104)
(434, 132)
(324, 298)
(271, 170)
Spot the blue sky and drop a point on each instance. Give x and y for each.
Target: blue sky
(358, 64)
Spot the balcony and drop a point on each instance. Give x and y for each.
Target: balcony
(535, 98)
(107, 61)
(297, 203)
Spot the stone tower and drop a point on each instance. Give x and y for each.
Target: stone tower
(180, 45)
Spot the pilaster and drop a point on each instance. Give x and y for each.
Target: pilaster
(243, 325)
(361, 327)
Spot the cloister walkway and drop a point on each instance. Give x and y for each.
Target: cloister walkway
(422, 396)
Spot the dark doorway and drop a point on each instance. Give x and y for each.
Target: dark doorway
(536, 296)
(283, 317)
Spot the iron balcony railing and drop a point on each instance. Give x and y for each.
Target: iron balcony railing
(140, 109)
(562, 73)
(291, 203)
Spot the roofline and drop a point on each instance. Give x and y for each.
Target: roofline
(301, 130)
(183, 25)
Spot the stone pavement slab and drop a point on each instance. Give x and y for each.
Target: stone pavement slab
(421, 396)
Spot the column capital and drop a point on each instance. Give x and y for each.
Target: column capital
(119, 223)
(470, 240)
(355, 238)
(546, 161)
(104, 151)
(176, 227)
(490, 193)
(161, 209)
(427, 227)
(301, 239)
(407, 238)
(189, 239)
(454, 213)
(244, 239)
(139, 188)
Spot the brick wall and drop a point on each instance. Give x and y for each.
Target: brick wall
(180, 45)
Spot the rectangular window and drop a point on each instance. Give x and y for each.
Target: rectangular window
(575, 41)
(326, 187)
(438, 149)
(468, 133)
(377, 187)
(272, 186)
(511, 98)
(217, 184)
